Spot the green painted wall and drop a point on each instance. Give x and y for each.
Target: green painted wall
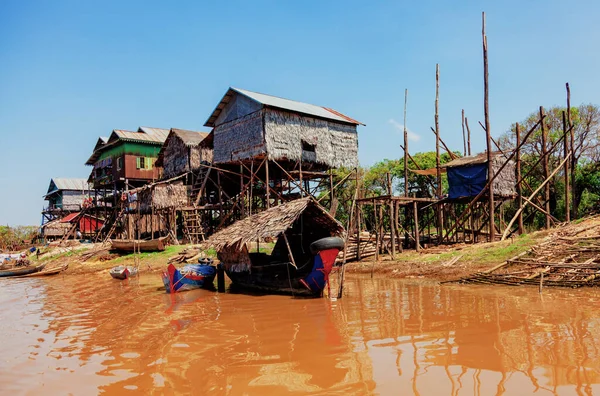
(143, 150)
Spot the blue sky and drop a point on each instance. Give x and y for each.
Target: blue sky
(71, 71)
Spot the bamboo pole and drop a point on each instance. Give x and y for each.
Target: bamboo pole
(519, 187)
(437, 151)
(567, 189)
(488, 134)
(358, 221)
(507, 230)
(545, 167)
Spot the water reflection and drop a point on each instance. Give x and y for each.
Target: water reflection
(383, 337)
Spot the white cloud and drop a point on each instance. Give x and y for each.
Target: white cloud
(411, 135)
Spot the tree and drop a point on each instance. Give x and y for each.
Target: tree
(586, 147)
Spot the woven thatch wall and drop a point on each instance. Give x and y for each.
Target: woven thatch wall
(163, 196)
(505, 182)
(239, 139)
(335, 144)
(55, 229)
(179, 157)
(176, 157)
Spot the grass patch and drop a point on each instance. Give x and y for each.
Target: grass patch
(169, 251)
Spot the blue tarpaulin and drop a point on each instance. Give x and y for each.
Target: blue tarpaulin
(466, 181)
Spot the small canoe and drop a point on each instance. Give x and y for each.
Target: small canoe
(47, 272)
(191, 276)
(132, 245)
(17, 271)
(123, 272)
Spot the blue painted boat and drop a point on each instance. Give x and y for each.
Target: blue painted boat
(191, 276)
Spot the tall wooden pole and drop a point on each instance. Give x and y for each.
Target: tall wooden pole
(464, 136)
(545, 166)
(567, 189)
(573, 158)
(519, 183)
(437, 152)
(488, 132)
(468, 136)
(406, 210)
(392, 228)
(405, 146)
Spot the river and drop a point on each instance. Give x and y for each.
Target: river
(91, 334)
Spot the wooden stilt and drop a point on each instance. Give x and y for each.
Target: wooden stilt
(267, 179)
(437, 152)
(464, 136)
(416, 220)
(519, 187)
(573, 168)
(490, 175)
(468, 136)
(545, 167)
(566, 173)
(392, 226)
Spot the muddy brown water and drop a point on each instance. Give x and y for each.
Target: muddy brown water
(92, 334)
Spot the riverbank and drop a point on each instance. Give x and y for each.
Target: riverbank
(439, 263)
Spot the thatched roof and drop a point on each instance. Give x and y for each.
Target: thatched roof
(471, 160)
(274, 221)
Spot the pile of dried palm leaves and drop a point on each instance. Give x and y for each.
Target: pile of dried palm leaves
(568, 257)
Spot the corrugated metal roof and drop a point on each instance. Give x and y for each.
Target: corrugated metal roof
(61, 183)
(69, 217)
(280, 103)
(157, 137)
(70, 184)
(159, 133)
(190, 138)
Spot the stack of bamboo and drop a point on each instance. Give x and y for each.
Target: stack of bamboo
(368, 246)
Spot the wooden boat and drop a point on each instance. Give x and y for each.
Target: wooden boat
(307, 245)
(191, 276)
(131, 245)
(122, 272)
(46, 272)
(308, 279)
(18, 271)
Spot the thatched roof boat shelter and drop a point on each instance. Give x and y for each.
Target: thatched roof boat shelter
(302, 222)
(250, 125)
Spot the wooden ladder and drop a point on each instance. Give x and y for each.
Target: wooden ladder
(192, 226)
(114, 224)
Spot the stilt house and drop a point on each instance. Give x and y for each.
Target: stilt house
(183, 152)
(64, 196)
(250, 125)
(126, 158)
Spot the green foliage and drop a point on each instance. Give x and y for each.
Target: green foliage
(12, 238)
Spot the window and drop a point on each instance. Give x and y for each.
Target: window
(144, 163)
(308, 147)
(140, 163)
(119, 163)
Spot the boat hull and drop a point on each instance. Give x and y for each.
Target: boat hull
(196, 277)
(21, 271)
(49, 272)
(130, 245)
(123, 272)
(285, 278)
